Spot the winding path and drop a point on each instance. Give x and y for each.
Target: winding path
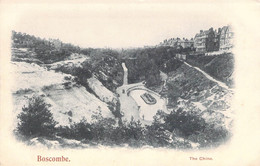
(132, 105)
(223, 85)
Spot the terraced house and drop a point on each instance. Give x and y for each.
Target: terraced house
(214, 40)
(205, 41)
(177, 42)
(185, 43)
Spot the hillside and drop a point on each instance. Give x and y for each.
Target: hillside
(88, 87)
(47, 51)
(145, 64)
(192, 91)
(186, 104)
(70, 102)
(220, 67)
(72, 96)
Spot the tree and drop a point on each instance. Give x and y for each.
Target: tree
(36, 119)
(82, 130)
(102, 127)
(186, 122)
(135, 130)
(156, 134)
(174, 92)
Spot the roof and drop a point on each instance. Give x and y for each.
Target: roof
(224, 29)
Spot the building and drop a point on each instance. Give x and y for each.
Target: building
(210, 40)
(226, 38)
(200, 41)
(217, 39)
(172, 42)
(177, 42)
(185, 43)
(204, 41)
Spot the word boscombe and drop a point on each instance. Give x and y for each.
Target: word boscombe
(52, 159)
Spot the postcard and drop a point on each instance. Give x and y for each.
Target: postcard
(129, 83)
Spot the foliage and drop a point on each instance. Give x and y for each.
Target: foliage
(107, 131)
(48, 51)
(174, 92)
(135, 130)
(78, 131)
(156, 134)
(145, 64)
(103, 63)
(211, 136)
(115, 108)
(107, 67)
(102, 127)
(171, 65)
(36, 119)
(187, 122)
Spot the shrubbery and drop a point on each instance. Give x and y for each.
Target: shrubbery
(165, 130)
(161, 133)
(36, 119)
(146, 63)
(187, 122)
(156, 134)
(104, 131)
(44, 49)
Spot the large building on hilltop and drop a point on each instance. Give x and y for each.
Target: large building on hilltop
(210, 40)
(214, 40)
(200, 41)
(205, 41)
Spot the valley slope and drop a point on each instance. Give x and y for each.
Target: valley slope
(89, 83)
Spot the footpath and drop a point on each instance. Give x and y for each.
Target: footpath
(223, 85)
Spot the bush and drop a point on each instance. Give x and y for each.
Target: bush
(211, 136)
(115, 109)
(131, 133)
(79, 131)
(156, 135)
(186, 122)
(102, 129)
(105, 131)
(36, 119)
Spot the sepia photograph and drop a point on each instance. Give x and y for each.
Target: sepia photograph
(126, 79)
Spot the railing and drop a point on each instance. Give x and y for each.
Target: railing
(140, 88)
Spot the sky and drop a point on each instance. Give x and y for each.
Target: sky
(117, 25)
